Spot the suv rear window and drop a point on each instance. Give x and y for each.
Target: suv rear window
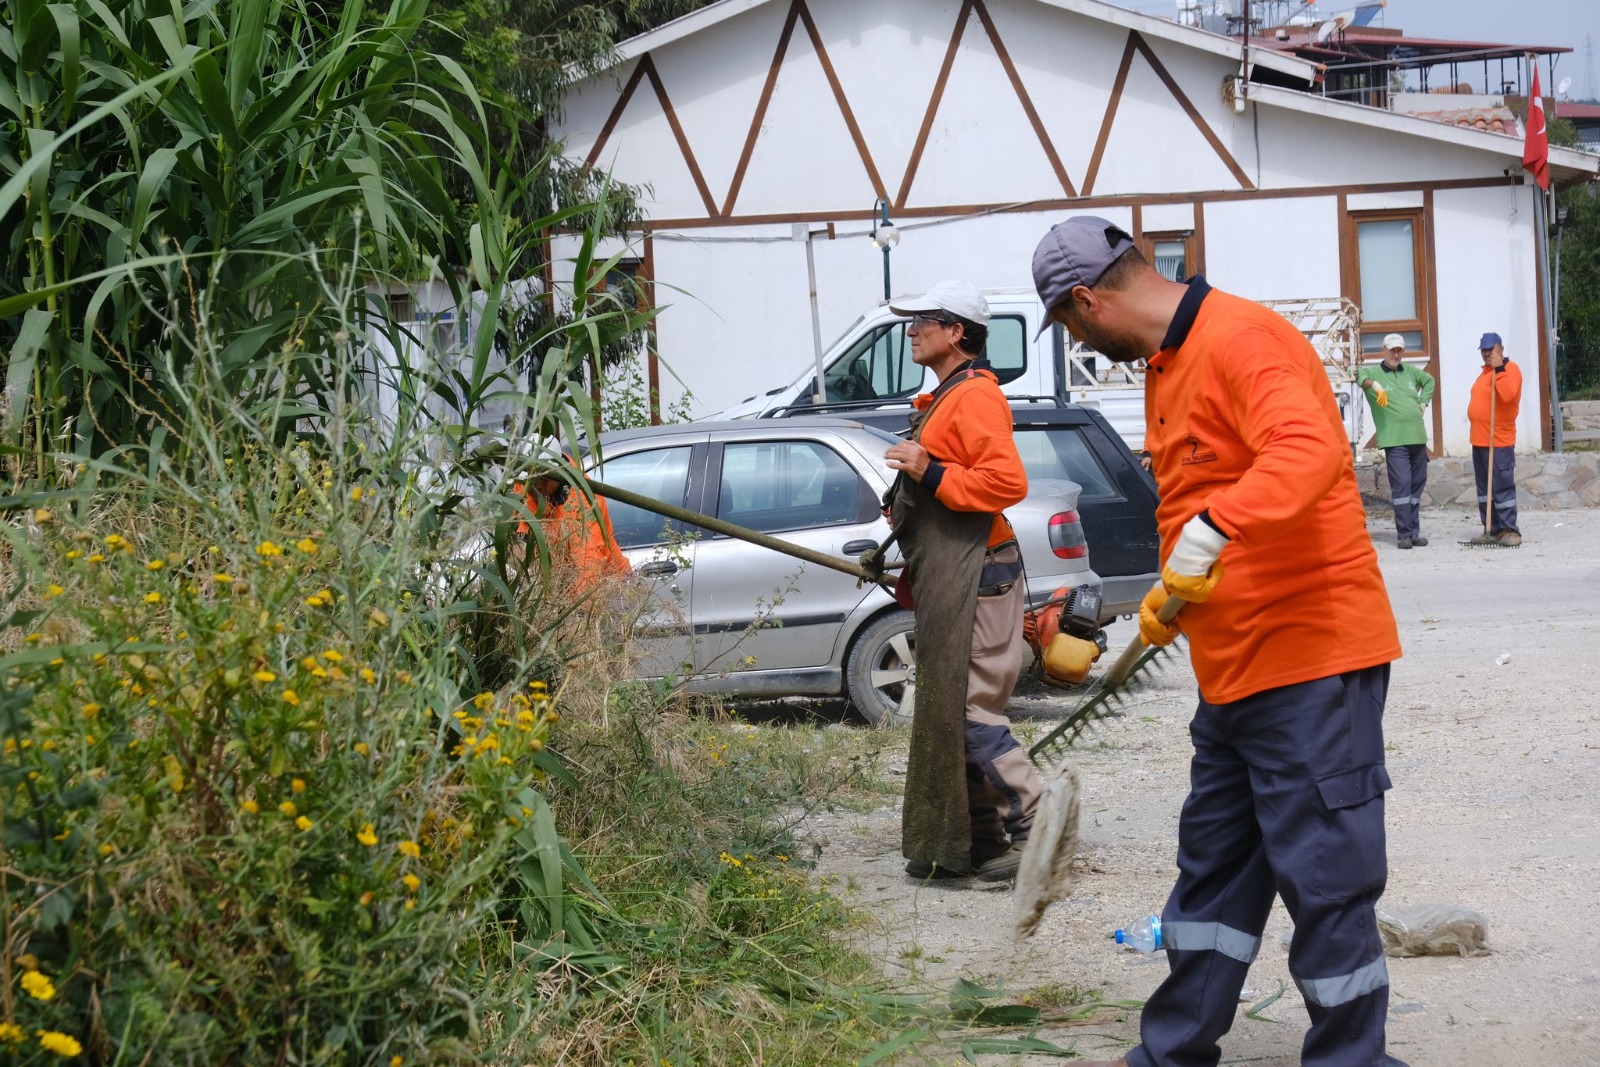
(1061, 452)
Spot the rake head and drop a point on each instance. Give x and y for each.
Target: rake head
(1104, 703)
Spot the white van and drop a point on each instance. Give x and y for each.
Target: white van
(872, 362)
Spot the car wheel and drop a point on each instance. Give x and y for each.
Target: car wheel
(881, 676)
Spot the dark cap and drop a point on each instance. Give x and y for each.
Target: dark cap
(1076, 252)
(1488, 341)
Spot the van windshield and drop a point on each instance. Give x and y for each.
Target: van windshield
(877, 367)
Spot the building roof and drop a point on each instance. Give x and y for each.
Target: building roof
(1566, 164)
(1148, 25)
(1492, 119)
(1567, 109)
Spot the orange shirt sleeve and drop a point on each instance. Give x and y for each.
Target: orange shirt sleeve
(1508, 385)
(1284, 418)
(974, 444)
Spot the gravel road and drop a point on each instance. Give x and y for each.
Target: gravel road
(1496, 770)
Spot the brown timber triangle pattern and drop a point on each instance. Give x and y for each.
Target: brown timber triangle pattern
(799, 13)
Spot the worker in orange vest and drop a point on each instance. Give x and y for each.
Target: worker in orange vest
(1291, 649)
(1494, 430)
(579, 536)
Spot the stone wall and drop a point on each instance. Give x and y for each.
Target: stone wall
(1544, 480)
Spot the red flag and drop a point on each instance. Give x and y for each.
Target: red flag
(1536, 148)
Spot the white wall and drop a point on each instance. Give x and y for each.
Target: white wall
(1485, 263)
(1274, 249)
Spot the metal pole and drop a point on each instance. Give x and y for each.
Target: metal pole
(1543, 252)
(821, 394)
(884, 219)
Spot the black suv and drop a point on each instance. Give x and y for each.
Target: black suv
(1058, 439)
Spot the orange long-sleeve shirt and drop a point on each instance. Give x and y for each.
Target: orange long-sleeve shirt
(1507, 402)
(968, 434)
(1241, 422)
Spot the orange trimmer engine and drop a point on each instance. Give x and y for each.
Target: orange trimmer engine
(1065, 635)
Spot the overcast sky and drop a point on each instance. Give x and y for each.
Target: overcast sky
(1547, 22)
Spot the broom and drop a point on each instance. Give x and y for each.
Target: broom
(1487, 540)
(1045, 875)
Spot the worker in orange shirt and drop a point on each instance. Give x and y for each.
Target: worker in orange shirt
(1291, 635)
(579, 536)
(971, 791)
(1494, 433)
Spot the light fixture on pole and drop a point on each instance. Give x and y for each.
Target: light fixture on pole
(885, 236)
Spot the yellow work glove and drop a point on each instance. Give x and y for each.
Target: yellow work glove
(1192, 570)
(1152, 631)
(1383, 398)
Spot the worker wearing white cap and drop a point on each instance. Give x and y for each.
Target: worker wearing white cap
(1397, 393)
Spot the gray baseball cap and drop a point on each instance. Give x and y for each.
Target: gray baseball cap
(1073, 253)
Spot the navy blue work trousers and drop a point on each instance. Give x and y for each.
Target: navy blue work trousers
(1408, 477)
(1504, 485)
(1286, 797)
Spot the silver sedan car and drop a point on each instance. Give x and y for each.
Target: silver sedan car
(739, 620)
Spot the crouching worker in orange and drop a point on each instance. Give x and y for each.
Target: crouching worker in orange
(580, 537)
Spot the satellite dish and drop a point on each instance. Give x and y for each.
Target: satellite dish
(1561, 90)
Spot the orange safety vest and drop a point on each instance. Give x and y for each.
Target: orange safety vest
(967, 430)
(581, 537)
(1507, 401)
(1241, 422)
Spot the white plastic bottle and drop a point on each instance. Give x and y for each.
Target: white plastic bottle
(1142, 935)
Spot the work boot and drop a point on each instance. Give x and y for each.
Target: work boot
(1404, 542)
(1003, 867)
(922, 871)
(1420, 541)
(1482, 539)
(1510, 538)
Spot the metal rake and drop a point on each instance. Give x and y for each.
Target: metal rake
(1131, 669)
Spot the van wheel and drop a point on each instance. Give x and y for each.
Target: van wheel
(881, 677)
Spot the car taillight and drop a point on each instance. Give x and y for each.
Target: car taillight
(1066, 536)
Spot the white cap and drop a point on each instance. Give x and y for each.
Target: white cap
(961, 299)
(1394, 340)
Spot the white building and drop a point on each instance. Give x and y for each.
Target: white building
(982, 122)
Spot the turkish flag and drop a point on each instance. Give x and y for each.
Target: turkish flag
(1536, 148)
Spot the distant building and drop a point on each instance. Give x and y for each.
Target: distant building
(979, 123)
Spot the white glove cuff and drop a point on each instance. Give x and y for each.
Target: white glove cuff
(1197, 549)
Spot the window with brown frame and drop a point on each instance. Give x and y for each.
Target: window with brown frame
(1386, 276)
(1173, 253)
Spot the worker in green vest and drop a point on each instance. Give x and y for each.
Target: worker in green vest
(1397, 393)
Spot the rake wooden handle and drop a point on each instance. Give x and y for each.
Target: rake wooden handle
(1130, 655)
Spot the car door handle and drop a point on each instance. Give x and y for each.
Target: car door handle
(658, 568)
(855, 548)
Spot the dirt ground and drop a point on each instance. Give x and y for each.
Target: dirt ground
(1496, 770)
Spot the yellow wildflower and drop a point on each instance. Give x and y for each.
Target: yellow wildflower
(287, 807)
(411, 902)
(59, 1043)
(315, 600)
(394, 1061)
(74, 554)
(318, 672)
(52, 591)
(38, 986)
(34, 639)
(362, 749)
(89, 738)
(266, 676)
(355, 494)
(332, 657)
(366, 899)
(409, 848)
(96, 558)
(297, 784)
(267, 549)
(152, 598)
(12, 1033)
(250, 807)
(304, 823)
(222, 579)
(155, 565)
(378, 618)
(291, 698)
(308, 663)
(366, 836)
(306, 545)
(43, 516)
(368, 675)
(413, 883)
